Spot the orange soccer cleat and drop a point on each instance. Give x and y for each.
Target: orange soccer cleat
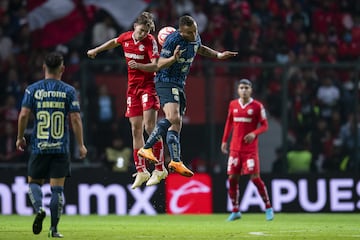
(147, 154)
(180, 168)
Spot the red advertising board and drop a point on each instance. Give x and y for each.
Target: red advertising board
(188, 195)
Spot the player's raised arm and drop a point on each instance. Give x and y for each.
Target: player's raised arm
(112, 43)
(208, 52)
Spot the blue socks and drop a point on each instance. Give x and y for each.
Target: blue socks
(172, 140)
(56, 202)
(160, 131)
(35, 195)
(56, 205)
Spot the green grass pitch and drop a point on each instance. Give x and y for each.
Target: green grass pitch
(194, 227)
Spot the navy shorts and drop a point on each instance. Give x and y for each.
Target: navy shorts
(44, 166)
(171, 93)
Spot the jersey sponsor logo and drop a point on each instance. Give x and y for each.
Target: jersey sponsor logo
(188, 196)
(183, 60)
(166, 52)
(41, 94)
(242, 119)
(134, 56)
(47, 145)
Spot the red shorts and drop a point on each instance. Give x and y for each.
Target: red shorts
(142, 100)
(243, 163)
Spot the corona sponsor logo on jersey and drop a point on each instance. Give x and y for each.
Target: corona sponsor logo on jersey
(134, 56)
(41, 94)
(184, 195)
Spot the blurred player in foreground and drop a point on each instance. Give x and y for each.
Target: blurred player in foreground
(52, 102)
(178, 53)
(244, 116)
(141, 54)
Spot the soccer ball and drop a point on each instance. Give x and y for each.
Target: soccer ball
(163, 33)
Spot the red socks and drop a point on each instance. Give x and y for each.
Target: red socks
(234, 193)
(139, 161)
(158, 151)
(262, 191)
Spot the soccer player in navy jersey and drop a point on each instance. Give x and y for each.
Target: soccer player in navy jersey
(141, 54)
(177, 54)
(52, 102)
(246, 120)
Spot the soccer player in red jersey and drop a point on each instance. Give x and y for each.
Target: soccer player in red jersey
(141, 54)
(246, 120)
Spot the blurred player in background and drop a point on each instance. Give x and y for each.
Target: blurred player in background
(244, 116)
(141, 54)
(52, 102)
(178, 52)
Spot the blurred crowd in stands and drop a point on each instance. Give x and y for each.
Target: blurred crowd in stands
(322, 116)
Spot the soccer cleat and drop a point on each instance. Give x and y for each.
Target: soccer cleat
(234, 216)
(269, 213)
(141, 177)
(53, 234)
(156, 177)
(180, 168)
(147, 154)
(38, 221)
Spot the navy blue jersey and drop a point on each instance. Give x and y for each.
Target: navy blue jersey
(178, 71)
(50, 101)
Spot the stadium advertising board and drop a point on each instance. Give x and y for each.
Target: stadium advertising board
(94, 191)
(188, 195)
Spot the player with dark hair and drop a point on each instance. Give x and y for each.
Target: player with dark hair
(177, 55)
(141, 54)
(245, 114)
(52, 102)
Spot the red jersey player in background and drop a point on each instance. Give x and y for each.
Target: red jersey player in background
(141, 54)
(245, 114)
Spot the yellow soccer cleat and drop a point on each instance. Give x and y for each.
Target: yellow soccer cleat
(147, 154)
(180, 168)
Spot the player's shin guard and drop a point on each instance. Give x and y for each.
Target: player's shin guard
(160, 131)
(234, 193)
(158, 150)
(262, 191)
(56, 205)
(35, 195)
(172, 141)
